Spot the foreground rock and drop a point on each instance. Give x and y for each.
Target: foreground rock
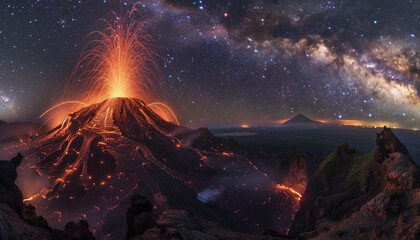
(9, 192)
(139, 216)
(182, 225)
(19, 221)
(368, 196)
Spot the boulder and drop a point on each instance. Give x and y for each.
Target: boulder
(139, 216)
(9, 192)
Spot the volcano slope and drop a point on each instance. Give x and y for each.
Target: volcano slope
(363, 196)
(105, 153)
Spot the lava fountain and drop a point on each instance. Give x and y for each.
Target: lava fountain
(119, 60)
(113, 145)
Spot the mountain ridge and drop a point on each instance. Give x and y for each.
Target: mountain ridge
(356, 195)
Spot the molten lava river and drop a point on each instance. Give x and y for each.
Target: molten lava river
(89, 167)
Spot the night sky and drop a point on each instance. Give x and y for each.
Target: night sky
(232, 61)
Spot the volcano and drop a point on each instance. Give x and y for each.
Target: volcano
(301, 119)
(100, 156)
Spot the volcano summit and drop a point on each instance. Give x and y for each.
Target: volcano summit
(103, 154)
(301, 119)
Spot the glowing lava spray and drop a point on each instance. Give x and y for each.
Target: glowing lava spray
(117, 61)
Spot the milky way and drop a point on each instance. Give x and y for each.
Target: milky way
(233, 61)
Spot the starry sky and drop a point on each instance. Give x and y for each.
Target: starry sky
(232, 61)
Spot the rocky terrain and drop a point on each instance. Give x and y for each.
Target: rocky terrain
(363, 196)
(19, 221)
(180, 225)
(289, 168)
(347, 195)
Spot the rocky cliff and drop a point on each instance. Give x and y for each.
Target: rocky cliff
(356, 195)
(297, 177)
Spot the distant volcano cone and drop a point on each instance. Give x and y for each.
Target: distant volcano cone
(301, 119)
(104, 153)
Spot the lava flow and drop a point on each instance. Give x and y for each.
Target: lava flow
(106, 152)
(113, 145)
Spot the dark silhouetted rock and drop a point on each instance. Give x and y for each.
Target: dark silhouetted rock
(9, 192)
(271, 232)
(181, 225)
(139, 216)
(79, 231)
(30, 217)
(19, 221)
(12, 226)
(391, 142)
(171, 220)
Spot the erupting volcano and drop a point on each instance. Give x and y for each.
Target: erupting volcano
(97, 97)
(117, 145)
(119, 60)
(104, 153)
